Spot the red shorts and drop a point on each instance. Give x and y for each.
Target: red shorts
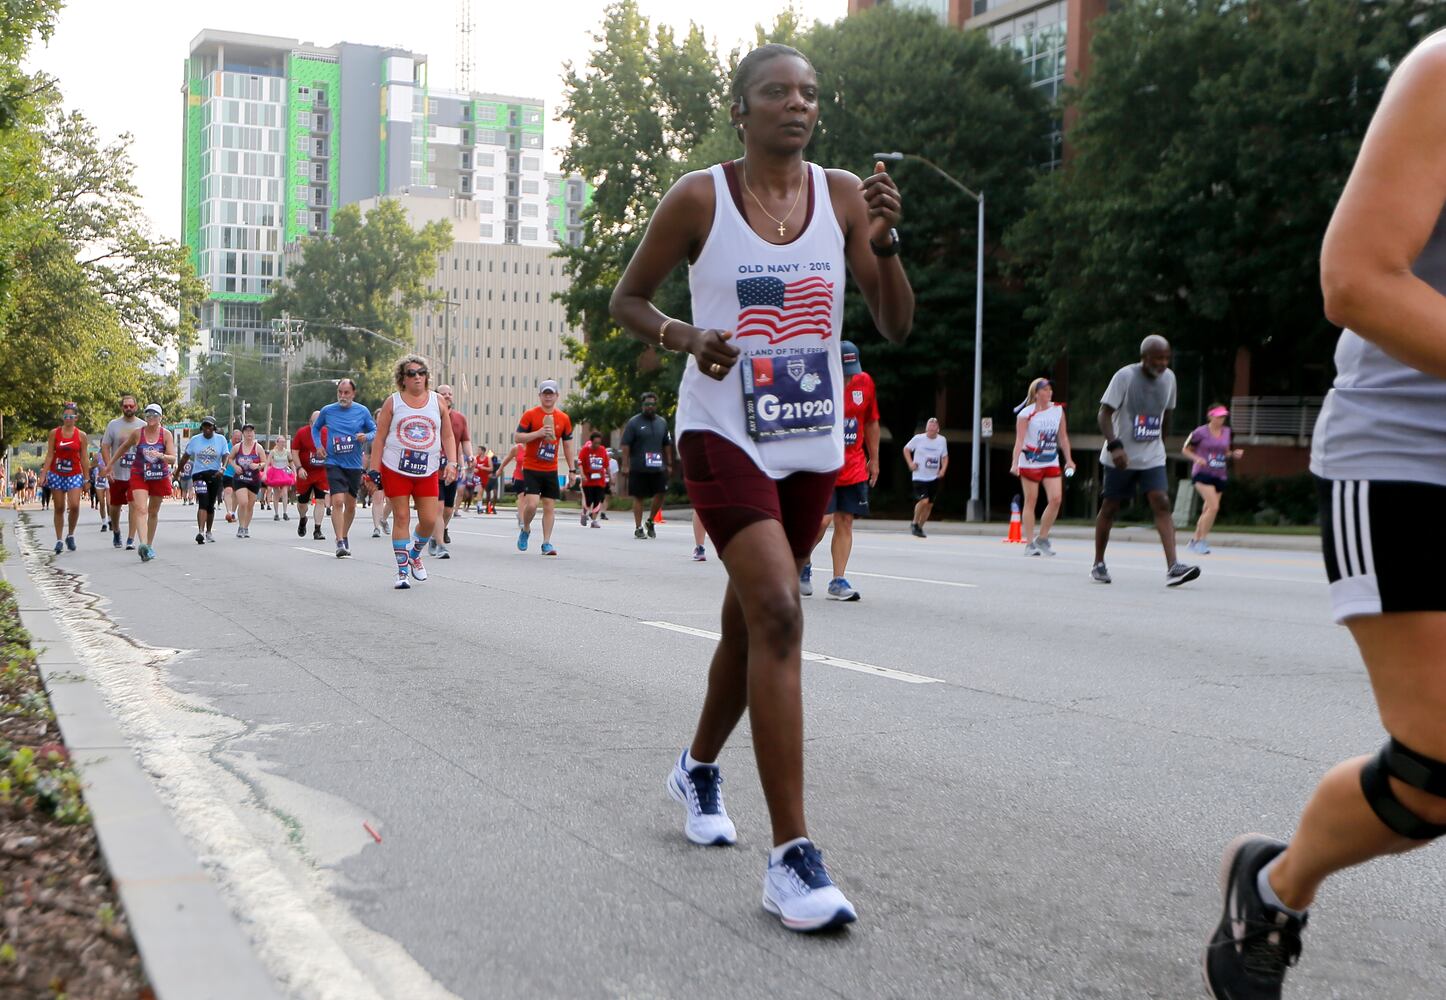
(120, 492)
(1040, 475)
(394, 484)
(155, 487)
(729, 492)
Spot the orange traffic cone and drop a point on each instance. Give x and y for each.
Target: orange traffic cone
(658, 517)
(1016, 523)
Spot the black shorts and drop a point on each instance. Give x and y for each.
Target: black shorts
(206, 498)
(340, 480)
(1121, 484)
(1371, 568)
(1205, 479)
(594, 495)
(543, 484)
(228, 482)
(447, 492)
(851, 499)
(646, 483)
(515, 486)
(254, 485)
(926, 489)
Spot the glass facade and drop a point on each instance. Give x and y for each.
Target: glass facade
(939, 8)
(1038, 38)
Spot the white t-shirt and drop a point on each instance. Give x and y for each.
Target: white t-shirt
(929, 454)
(1041, 436)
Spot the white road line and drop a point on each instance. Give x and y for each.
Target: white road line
(915, 579)
(315, 552)
(827, 661)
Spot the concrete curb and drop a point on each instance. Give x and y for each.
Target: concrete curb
(190, 944)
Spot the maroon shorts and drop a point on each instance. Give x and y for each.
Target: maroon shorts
(1039, 475)
(729, 492)
(120, 492)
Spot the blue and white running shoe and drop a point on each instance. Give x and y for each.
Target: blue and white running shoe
(799, 892)
(701, 792)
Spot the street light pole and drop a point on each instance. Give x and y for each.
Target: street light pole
(289, 332)
(976, 507)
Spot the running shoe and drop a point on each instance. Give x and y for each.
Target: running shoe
(341, 552)
(652, 532)
(522, 536)
(414, 562)
(1180, 573)
(839, 590)
(701, 792)
(604, 515)
(104, 525)
(200, 538)
(59, 546)
(301, 527)
(638, 533)
(1202, 547)
(275, 516)
(431, 546)
(583, 519)
(1254, 944)
(70, 542)
(386, 527)
(115, 539)
(1031, 549)
(548, 549)
(798, 890)
(595, 523)
(1099, 574)
(146, 553)
(210, 537)
(700, 554)
(1042, 544)
(376, 532)
(442, 552)
(446, 537)
(286, 515)
(316, 532)
(240, 532)
(916, 531)
(805, 581)
(402, 583)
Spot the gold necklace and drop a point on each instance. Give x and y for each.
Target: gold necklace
(782, 229)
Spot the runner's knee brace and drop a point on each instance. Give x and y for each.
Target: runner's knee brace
(1410, 768)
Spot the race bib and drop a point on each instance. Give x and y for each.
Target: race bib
(851, 431)
(412, 462)
(653, 459)
(64, 466)
(931, 462)
(128, 458)
(342, 445)
(1047, 450)
(154, 467)
(1147, 427)
(547, 451)
(317, 459)
(201, 488)
(102, 483)
(595, 463)
(1216, 462)
(790, 395)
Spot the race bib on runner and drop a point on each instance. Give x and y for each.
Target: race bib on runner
(64, 466)
(128, 458)
(412, 462)
(790, 395)
(653, 459)
(1147, 427)
(1217, 462)
(547, 451)
(201, 488)
(851, 431)
(931, 462)
(342, 445)
(154, 467)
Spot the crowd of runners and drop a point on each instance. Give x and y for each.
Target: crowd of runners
(777, 440)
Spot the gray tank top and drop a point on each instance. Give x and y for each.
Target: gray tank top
(1384, 420)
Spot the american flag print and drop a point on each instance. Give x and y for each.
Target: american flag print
(779, 310)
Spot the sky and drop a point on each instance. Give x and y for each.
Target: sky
(121, 64)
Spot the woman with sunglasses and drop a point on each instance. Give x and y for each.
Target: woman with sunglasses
(415, 432)
(1040, 436)
(66, 466)
(155, 456)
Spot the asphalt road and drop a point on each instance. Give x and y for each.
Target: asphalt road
(1029, 800)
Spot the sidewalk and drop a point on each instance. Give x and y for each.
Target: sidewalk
(190, 944)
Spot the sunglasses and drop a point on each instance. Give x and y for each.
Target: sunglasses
(414, 373)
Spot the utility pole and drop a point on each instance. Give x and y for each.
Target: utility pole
(464, 46)
(288, 332)
(231, 422)
(445, 375)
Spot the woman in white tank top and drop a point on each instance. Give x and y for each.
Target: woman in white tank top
(413, 433)
(760, 424)
(1040, 438)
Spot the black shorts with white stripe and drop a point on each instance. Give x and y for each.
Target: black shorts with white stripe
(1373, 559)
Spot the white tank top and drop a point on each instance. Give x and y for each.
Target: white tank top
(1041, 438)
(414, 441)
(782, 403)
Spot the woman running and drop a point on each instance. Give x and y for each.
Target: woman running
(155, 456)
(228, 479)
(67, 466)
(249, 460)
(416, 433)
(1040, 437)
(1379, 453)
(761, 425)
(1209, 449)
(279, 477)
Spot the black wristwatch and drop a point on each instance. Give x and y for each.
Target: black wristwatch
(892, 250)
(1114, 445)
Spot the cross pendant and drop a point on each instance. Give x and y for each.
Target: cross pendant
(781, 230)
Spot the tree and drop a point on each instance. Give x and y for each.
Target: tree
(368, 272)
(642, 101)
(1210, 145)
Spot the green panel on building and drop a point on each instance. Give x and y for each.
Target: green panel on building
(192, 194)
(310, 75)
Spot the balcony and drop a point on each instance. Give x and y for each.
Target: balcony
(1256, 417)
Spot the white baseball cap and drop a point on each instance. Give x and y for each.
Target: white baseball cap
(548, 385)
(154, 408)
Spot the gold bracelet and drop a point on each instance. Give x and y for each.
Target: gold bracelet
(663, 332)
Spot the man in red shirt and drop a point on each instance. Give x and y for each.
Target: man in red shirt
(592, 468)
(310, 476)
(860, 471)
(448, 491)
(540, 431)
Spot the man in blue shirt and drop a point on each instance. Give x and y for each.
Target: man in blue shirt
(206, 452)
(348, 426)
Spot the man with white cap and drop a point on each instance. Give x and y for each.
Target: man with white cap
(539, 431)
(860, 472)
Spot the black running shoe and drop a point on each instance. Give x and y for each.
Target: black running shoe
(316, 533)
(301, 527)
(446, 537)
(652, 532)
(1254, 944)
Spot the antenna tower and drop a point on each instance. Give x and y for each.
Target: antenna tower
(464, 46)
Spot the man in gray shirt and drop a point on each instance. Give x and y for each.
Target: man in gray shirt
(116, 432)
(648, 454)
(1133, 417)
